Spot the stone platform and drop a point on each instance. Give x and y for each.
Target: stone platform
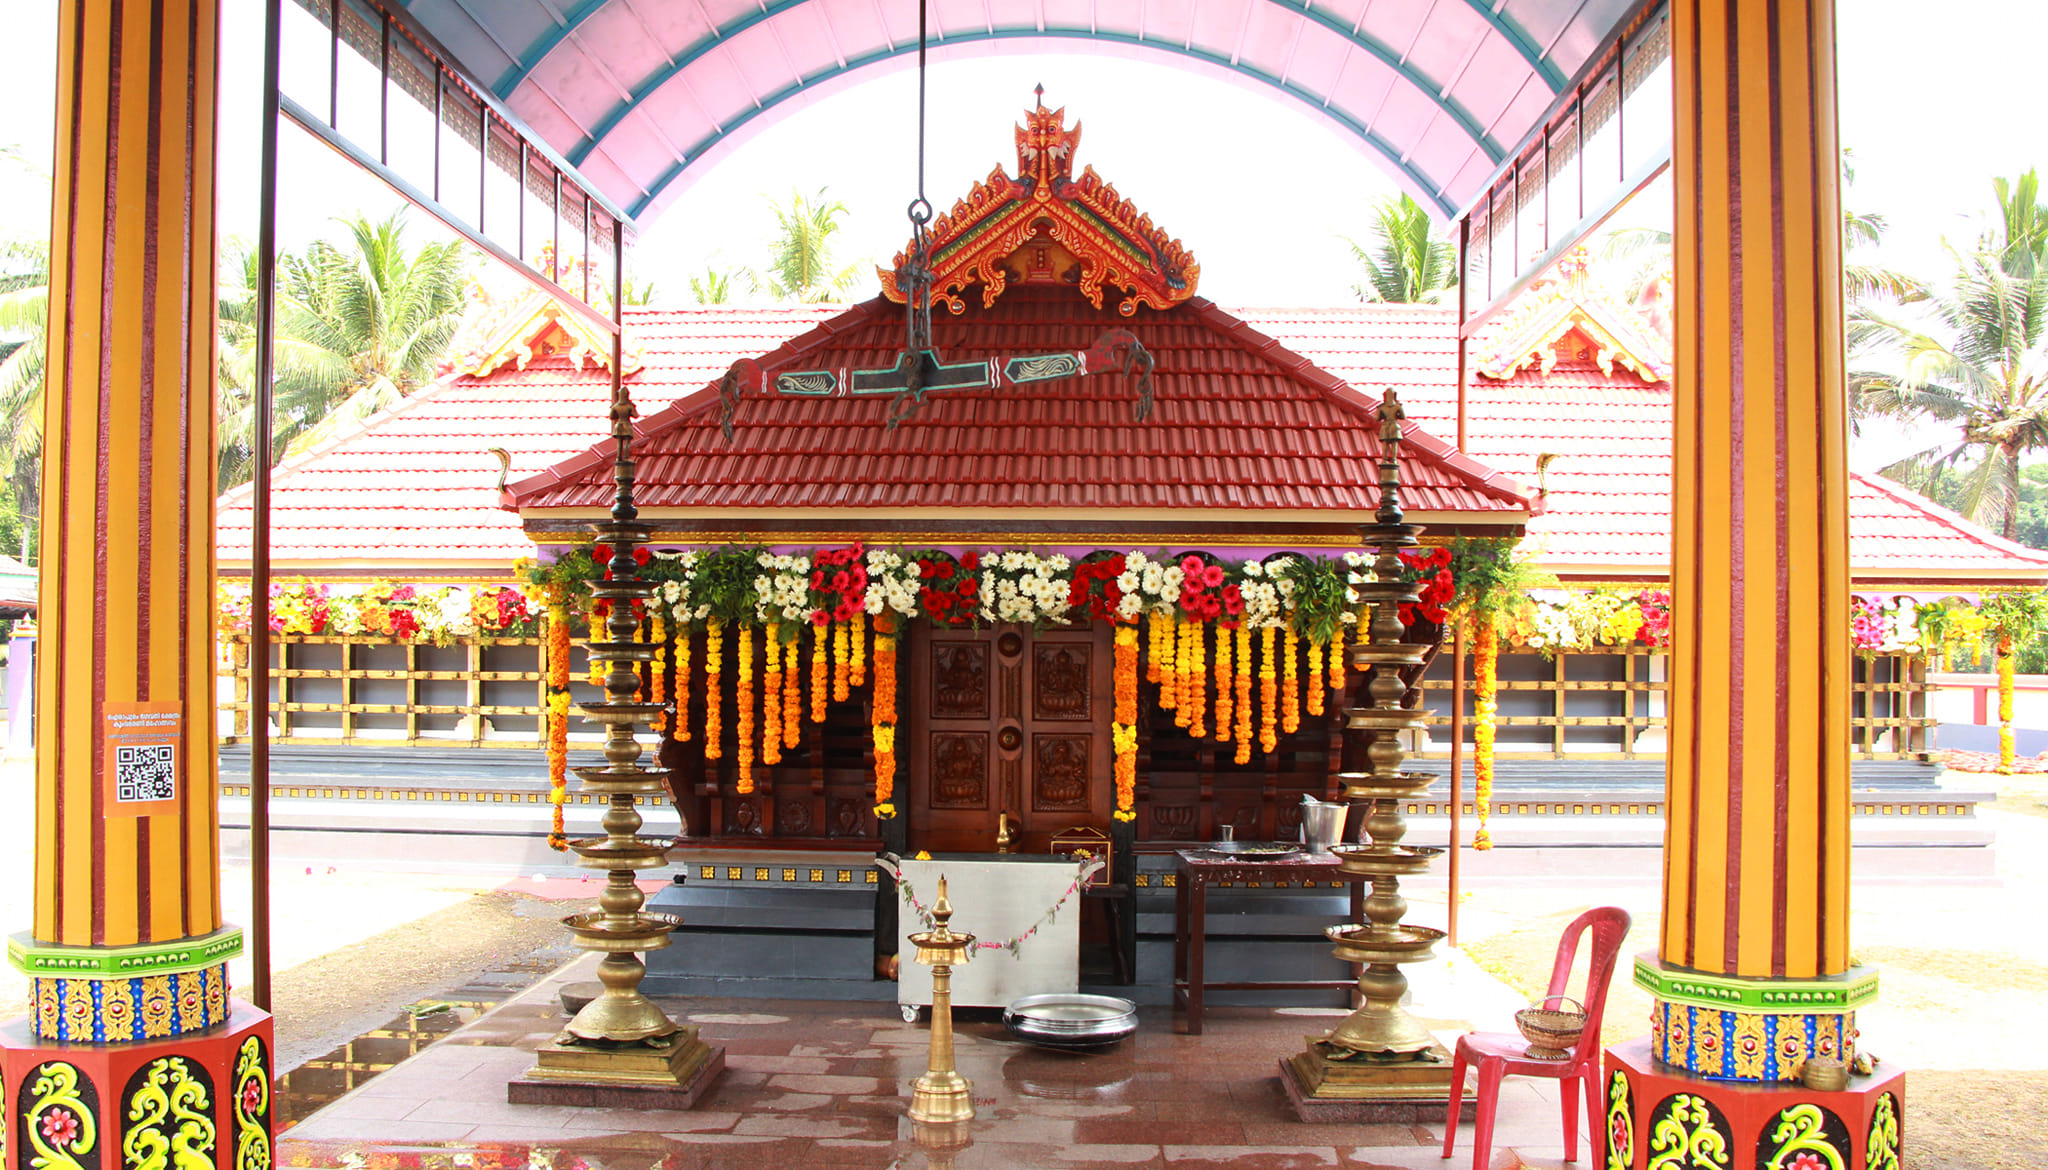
(811, 1083)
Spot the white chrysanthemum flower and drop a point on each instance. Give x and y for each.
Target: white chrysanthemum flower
(1127, 581)
(1254, 569)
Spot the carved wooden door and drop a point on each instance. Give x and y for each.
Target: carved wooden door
(1007, 720)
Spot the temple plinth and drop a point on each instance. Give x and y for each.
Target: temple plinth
(1752, 975)
(127, 952)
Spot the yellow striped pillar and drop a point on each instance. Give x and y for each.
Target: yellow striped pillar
(1752, 974)
(133, 1052)
(128, 943)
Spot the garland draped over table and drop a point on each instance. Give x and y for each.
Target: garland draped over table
(1012, 945)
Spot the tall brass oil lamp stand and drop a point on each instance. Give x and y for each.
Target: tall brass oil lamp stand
(1380, 1053)
(621, 1048)
(941, 1094)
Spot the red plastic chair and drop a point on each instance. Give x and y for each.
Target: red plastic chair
(1496, 1054)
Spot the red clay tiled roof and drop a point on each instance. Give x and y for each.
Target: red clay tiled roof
(430, 498)
(418, 487)
(1608, 487)
(1238, 423)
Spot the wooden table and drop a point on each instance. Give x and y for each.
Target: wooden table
(1194, 869)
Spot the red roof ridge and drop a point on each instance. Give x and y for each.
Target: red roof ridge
(1963, 525)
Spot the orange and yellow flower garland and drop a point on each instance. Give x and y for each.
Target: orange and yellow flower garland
(857, 665)
(1124, 731)
(2006, 749)
(1159, 655)
(1269, 690)
(1290, 682)
(657, 677)
(745, 707)
(1485, 656)
(1337, 663)
(1197, 694)
(558, 712)
(1243, 683)
(682, 671)
(842, 670)
(1318, 679)
(771, 695)
(1183, 709)
(1224, 682)
(828, 677)
(792, 691)
(884, 726)
(714, 694)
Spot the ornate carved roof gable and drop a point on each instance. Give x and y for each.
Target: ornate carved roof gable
(1565, 303)
(514, 327)
(1046, 226)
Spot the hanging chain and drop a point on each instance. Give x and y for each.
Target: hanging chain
(917, 276)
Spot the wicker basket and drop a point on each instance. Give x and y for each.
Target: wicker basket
(1551, 1032)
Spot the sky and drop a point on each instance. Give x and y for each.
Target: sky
(1257, 186)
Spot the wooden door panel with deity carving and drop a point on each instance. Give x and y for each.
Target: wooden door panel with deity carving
(1007, 720)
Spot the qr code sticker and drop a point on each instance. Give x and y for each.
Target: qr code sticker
(146, 772)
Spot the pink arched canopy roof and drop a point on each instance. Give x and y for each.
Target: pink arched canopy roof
(642, 95)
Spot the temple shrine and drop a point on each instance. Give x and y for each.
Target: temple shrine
(1057, 567)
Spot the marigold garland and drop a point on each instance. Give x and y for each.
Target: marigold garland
(1158, 651)
(1318, 679)
(1224, 682)
(1244, 694)
(771, 692)
(1290, 682)
(2006, 748)
(597, 671)
(558, 714)
(857, 666)
(842, 671)
(744, 704)
(657, 676)
(682, 673)
(714, 694)
(792, 690)
(1337, 663)
(1485, 656)
(828, 675)
(1269, 690)
(1177, 679)
(1124, 731)
(1197, 697)
(885, 716)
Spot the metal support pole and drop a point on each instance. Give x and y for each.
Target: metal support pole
(1464, 252)
(384, 90)
(483, 163)
(440, 87)
(1457, 775)
(334, 63)
(259, 539)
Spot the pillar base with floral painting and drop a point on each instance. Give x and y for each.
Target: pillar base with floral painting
(203, 1096)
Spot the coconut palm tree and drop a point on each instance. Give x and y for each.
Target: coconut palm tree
(24, 313)
(1405, 260)
(368, 323)
(1976, 357)
(800, 261)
